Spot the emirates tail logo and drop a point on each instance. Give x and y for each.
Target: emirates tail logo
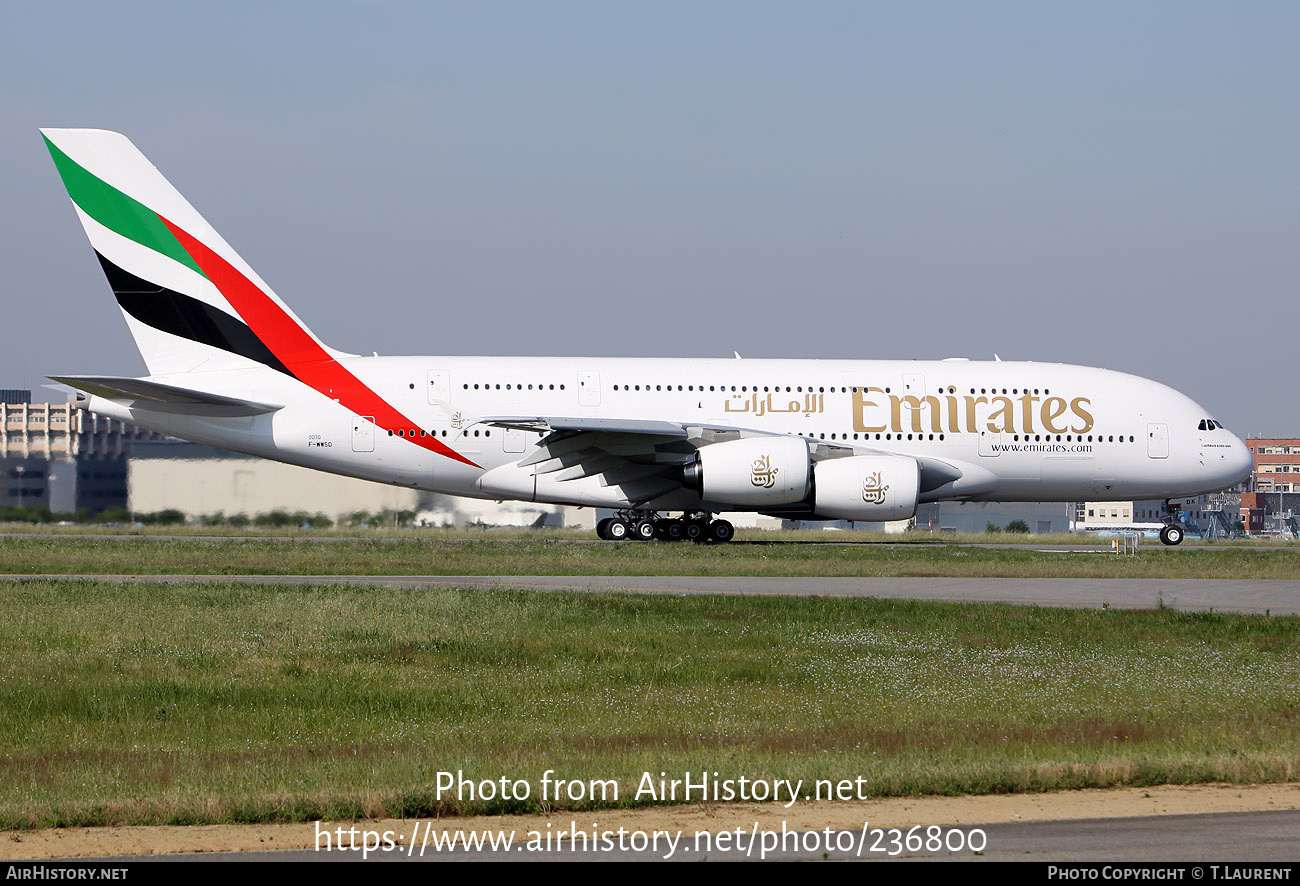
(763, 475)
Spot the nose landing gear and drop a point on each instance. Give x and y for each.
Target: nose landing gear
(1173, 533)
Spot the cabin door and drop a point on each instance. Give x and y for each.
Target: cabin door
(588, 388)
(1158, 439)
(363, 433)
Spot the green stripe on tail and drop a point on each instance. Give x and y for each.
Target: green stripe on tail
(116, 211)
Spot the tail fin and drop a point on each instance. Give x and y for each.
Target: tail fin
(191, 302)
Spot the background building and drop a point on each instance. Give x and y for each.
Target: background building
(1214, 515)
(200, 481)
(1272, 499)
(975, 516)
(58, 457)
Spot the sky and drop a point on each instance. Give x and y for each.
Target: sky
(1115, 184)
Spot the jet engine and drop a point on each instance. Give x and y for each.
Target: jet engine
(752, 472)
(771, 472)
(867, 487)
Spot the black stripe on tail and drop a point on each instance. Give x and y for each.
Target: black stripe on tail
(189, 318)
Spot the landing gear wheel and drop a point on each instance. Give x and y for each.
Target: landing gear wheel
(693, 530)
(721, 531)
(618, 530)
(643, 530)
(1171, 535)
(672, 530)
(602, 528)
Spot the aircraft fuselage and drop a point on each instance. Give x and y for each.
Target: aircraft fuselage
(1019, 431)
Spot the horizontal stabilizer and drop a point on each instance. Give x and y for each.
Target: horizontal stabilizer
(157, 397)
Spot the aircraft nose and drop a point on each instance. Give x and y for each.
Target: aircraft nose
(1239, 462)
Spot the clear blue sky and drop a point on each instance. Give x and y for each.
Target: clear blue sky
(1112, 184)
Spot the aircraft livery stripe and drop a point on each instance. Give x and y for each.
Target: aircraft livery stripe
(170, 311)
(305, 358)
(117, 211)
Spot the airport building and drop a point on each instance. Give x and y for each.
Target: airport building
(1272, 499)
(1091, 514)
(200, 481)
(1277, 465)
(1042, 518)
(55, 456)
(58, 457)
(1212, 515)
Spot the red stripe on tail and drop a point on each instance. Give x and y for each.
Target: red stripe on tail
(296, 349)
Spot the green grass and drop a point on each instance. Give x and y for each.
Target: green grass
(444, 533)
(524, 556)
(132, 703)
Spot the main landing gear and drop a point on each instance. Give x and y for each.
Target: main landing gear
(1172, 534)
(647, 525)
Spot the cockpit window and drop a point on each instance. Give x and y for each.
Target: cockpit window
(1209, 424)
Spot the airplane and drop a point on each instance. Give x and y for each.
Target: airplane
(230, 365)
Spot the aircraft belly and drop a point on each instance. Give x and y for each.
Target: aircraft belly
(1066, 477)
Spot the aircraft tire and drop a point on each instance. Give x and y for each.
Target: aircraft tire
(1171, 535)
(618, 530)
(602, 528)
(721, 531)
(643, 530)
(694, 530)
(672, 530)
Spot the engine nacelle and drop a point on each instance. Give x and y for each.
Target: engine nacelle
(752, 472)
(867, 487)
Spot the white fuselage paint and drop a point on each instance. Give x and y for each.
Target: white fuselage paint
(1059, 433)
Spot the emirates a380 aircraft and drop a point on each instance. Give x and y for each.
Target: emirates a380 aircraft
(231, 365)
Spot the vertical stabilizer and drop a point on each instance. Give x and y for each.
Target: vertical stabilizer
(191, 302)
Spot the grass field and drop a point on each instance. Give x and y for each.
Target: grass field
(42, 554)
(444, 533)
(139, 703)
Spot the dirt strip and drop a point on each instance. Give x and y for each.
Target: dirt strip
(886, 813)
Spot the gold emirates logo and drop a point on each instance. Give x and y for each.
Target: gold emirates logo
(942, 413)
(956, 414)
(763, 475)
(874, 489)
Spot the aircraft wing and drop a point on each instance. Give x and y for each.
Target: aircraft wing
(645, 458)
(610, 425)
(158, 397)
(702, 432)
(642, 458)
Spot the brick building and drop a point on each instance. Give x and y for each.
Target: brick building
(1273, 496)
